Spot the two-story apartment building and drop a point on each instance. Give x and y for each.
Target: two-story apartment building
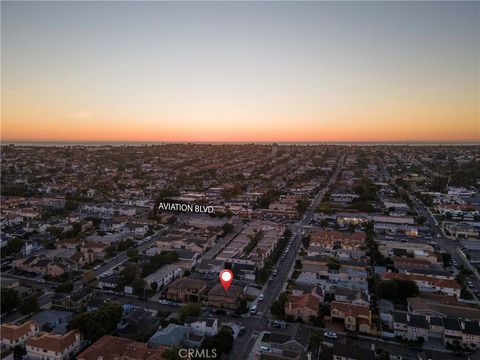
(54, 346)
(355, 317)
(185, 290)
(12, 335)
(218, 297)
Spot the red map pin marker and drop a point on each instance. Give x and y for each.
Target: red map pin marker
(226, 277)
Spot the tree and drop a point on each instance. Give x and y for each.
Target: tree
(333, 263)
(71, 205)
(267, 198)
(110, 251)
(157, 261)
(14, 247)
(128, 274)
(138, 286)
(154, 286)
(124, 245)
(133, 255)
(19, 352)
(447, 258)
(387, 289)
(316, 339)
(95, 324)
(222, 343)
(351, 227)
(406, 288)
(172, 353)
(302, 205)
(420, 220)
(278, 307)
(439, 184)
(10, 299)
(229, 214)
(227, 228)
(95, 220)
(29, 305)
(262, 275)
(287, 233)
(65, 287)
(397, 290)
(306, 241)
(189, 309)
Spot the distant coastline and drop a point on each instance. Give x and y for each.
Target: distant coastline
(301, 143)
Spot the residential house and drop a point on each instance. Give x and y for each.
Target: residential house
(186, 290)
(341, 352)
(12, 335)
(98, 249)
(471, 334)
(201, 327)
(436, 326)
(72, 301)
(400, 322)
(53, 346)
(115, 348)
(209, 266)
(293, 345)
(53, 320)
(417, 328)
(428, 283)
(171, 335)
(452, 333)
(354, 296)
(333, 240)
(304, 307)
(219, 297)
(355, 317)
(163, 276)
(138, 324)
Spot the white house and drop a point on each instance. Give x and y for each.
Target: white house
(202, 327)
(54, 346)
(163, 276)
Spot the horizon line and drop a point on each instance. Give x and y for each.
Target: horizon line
(159, 142)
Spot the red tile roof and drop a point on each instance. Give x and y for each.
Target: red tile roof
(304, 301)
(445, 283)
(13, 332)
(52, 341)
(351, 309)
(113, 348)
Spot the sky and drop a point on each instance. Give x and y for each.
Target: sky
(240, 71)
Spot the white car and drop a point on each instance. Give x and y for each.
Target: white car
(260, 297)
(330, 334)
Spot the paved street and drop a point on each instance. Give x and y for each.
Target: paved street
(451, 246)
(243, 346)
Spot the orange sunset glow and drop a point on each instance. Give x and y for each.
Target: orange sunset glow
(198, 73)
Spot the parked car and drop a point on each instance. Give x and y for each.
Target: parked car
(330, 334)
